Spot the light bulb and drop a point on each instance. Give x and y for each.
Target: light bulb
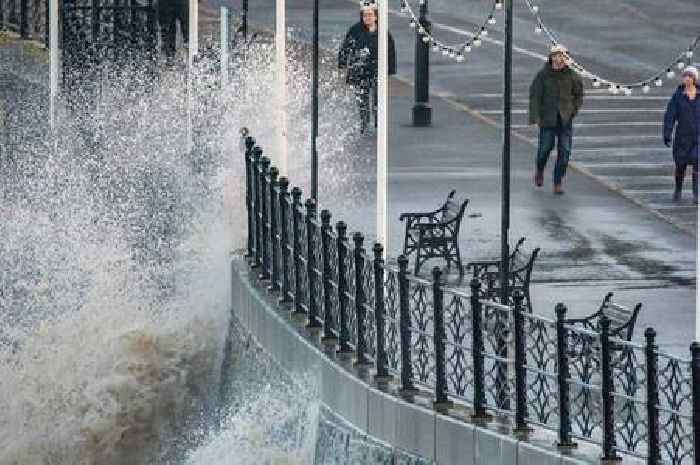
(646, 88)
(535, 8)
(670, 73)
(658, 82)
(492, 20)
(467, 48)
(460, 58)
(477, 42)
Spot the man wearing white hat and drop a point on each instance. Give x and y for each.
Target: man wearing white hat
(556, 96)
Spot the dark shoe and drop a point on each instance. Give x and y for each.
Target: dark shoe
(558, 189)
(677, 196)
(539, 178)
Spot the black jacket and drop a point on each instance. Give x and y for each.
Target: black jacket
(684, 116)
(357, 39)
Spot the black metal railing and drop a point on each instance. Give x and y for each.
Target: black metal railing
(28, 18)
(628, 398)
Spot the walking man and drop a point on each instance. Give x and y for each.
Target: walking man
(556, 95)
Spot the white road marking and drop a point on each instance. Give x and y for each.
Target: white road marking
(622, 149)
(598, 125)
(587, 97)
(585, 110)
(628, 165)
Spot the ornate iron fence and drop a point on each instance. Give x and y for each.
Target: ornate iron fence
(28, 18)
(628, 398)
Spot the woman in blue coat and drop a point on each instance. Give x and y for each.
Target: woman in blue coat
(683, 114)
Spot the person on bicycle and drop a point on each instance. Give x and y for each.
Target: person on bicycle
(359, 54)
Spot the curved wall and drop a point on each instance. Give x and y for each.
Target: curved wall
(350, 394)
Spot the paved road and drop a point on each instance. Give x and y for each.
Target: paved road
(593, 240)
(617, 138)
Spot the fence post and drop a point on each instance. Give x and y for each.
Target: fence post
(284, 239)
(382, 363)
(360, 299)
(274, 227)
(478, 353)
(405, 328)
(341, 245)
(695, 369)
(563, 379)
(23, 19)
(265, 241)
(296, 251)
(249, 144)
(441, 403)
(652, 375)
(609, 452)
(520, 363)
(47, 22)
(329, 336)
(257, 155)
(311, 271)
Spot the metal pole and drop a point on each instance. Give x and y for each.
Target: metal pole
(53, 65)
(314, 109)
(422, 113)
(244, 20)
(224, 46)
(281, 51)
(505, 184)
(695, 395)
(382, 123)
(192, 52)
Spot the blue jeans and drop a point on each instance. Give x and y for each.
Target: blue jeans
(563, 133)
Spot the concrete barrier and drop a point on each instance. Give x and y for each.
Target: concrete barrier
(349, 393)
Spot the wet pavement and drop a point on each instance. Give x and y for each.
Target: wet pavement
(612, 231)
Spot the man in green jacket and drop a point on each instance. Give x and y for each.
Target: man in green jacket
(556, 95)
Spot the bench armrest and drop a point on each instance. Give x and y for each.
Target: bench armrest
(419, 214)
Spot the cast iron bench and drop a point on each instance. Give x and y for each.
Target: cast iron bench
(520, 266)
(435, 234)
(622, 319)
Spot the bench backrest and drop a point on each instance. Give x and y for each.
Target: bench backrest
(622, 319)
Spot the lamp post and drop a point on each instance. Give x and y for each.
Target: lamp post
(314, 108)
(422, 113)
(382, 124)
(244, 20)
(505, 184)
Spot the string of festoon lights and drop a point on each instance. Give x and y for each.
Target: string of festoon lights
(456, 52)
(617, 87)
